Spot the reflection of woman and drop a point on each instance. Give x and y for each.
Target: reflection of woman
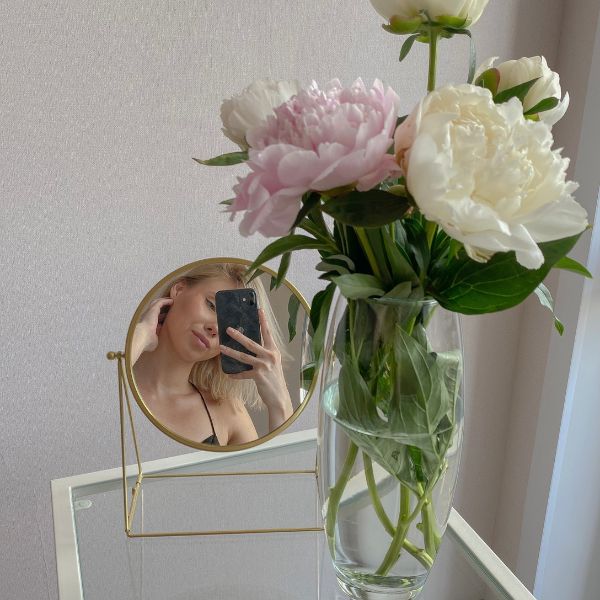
(177, 367)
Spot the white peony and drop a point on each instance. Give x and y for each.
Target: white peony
(487, 175)
(410, 9)
(515, 72)
(250, 108)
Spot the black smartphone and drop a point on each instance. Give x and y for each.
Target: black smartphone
(237, 309)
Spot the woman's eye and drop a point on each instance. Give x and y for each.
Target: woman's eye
(210, 305)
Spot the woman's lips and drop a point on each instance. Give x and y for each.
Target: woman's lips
(201, 340)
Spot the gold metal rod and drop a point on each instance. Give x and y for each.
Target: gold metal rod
(136, 493)
(231, 532)
(236, 473)
(135, 444)
(122, 420)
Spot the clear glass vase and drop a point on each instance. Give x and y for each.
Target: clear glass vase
(390, 435)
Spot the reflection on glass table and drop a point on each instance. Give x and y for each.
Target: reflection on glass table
(96, 560)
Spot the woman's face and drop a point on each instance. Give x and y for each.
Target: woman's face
(191, 323)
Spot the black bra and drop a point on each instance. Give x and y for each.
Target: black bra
(212, 440)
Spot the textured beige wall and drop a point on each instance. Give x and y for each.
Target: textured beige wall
(102, 107)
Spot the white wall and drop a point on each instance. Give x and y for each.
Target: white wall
(103, 106)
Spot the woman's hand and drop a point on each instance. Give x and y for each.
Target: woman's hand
(145, 336)
(267, 371)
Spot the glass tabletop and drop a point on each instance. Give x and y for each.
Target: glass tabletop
(96, 560)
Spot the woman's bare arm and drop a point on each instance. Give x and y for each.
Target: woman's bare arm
(267, 372)
(145, 335)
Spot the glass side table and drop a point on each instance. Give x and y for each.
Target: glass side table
(96, 560)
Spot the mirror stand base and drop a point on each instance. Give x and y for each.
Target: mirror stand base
(135, 474)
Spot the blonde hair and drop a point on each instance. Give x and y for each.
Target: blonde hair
(207, 374)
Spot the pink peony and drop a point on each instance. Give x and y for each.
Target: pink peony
(317, 140)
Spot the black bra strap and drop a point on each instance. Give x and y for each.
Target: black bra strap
(207, 411)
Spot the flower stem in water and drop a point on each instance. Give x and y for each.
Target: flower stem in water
(335, 495)
(419, 553)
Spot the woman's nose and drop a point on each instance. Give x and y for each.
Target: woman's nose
(211, 327)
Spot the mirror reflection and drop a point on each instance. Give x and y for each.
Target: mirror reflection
(214, 359)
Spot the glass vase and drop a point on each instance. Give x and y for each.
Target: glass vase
(390, 435)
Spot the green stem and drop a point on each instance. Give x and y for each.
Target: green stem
(430, 522)
(404, 502)
(429, 527)
(419, 553)
(375, 500)
(364, 242)
(395, 548)
(433, 38)
(335, 495)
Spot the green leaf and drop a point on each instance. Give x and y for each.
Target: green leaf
(224, 160)
(518, 91)
(400, 26)
(354, 409)
(362, 331)
(367, 209)
(399, 264)
(309, 201)
(284, 265)
(402, 411)
(473, 288)
(416, 458)
(407, 45)
(289, 243)
(569, 264)
(293, 306)
(307, 374)
(400, 291)
(545, 298)
(319, 232)
(358, 285)
(490, 80)
(451, 21)
(419, 379)
(542, 106)
(416, 241)
(375, 241)
(319, 313)
(321, 297)
(336, 263)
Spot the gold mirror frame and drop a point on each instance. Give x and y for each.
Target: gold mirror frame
(129, 368)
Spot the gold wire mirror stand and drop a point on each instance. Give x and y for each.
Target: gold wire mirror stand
(131, 496)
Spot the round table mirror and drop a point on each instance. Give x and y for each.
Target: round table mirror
(215, 358)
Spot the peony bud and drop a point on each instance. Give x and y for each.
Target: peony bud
(452, 13)
(515, 72)
(250, 108)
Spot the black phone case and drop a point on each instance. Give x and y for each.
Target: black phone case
(237, 309)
